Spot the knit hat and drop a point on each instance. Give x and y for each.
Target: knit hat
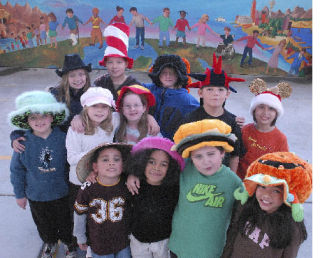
(173, 61)
(41, 102)
(117, 38)
(84, 166)
(271, 97)
(96, 95)
(137, 89)
(280, 168)
(207, 132)
(160, 144)
(214, 77)
(72, 62)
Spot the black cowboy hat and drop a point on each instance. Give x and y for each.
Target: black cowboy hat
(73, 62)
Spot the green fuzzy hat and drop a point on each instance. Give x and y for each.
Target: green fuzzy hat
(41, 102)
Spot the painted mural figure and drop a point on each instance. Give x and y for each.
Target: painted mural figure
(226, 49)
(164, 23)
(119, 17)
(251, 42)
(298, 58)
(273, 61)
(72, 21)
(43, 31)
(181, 25)
(138, 21)
(53, 24)
(96, 34)
(29, 37)
(202, 27)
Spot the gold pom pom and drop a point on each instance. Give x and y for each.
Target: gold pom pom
(284, 89)
(257, 86)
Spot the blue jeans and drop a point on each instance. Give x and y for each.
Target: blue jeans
(244, 55)
(140, 33)
(162, 35)
(124, 253)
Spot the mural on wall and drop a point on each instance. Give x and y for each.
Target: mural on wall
(253, 36)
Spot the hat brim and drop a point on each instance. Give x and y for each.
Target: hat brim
(129, 60)
(65, 71)
(84, 166)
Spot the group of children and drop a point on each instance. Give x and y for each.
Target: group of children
(94, 158)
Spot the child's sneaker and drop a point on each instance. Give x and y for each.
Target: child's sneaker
(48, 250)
(142, 47)
(71, 251)
(89, 253)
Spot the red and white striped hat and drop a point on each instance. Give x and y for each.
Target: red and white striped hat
(117, 39)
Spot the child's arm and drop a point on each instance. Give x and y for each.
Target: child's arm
(153, 127)
(79, 229)
(22, 202)
(73, 145)
(212, 31)
(77, 124)
(16, 136)
(195, 25)
(147, 19)
(240, 121)
(133, 184)
(64, 23)
(233, 164)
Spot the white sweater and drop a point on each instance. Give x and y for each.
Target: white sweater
(78, 144)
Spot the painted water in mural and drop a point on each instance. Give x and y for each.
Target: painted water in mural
(38, 33)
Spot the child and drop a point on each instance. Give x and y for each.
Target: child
(43, 31)
(30, 37)
(268, 220)
(138, 21)
(251, 42)
(227, 38)
(133, 104)
(273, 61)
(72, 21)
(203, 212)
(158, 169)
(74, 82)
(164, 24)
(102, 208)
(202, 27)
(39, 174)
(298, 58)
(53, 24)
(116, 59)
(173, 101)
(213, 91)
(119, 17)
(95, 32)
(181, 25)
(263, 136)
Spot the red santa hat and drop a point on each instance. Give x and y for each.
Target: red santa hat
(117, 39)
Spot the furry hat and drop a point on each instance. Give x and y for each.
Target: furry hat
(84, 166)
(117, 38)
(41, 102)
(96, 95)
(214, 77)
(161, 144)
(280, 168)
(72, 62)
(271, 97)
(207, 132)
(173, 61)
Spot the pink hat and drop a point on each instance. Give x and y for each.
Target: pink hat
(117, 38)
(97, 95)
(161, 144)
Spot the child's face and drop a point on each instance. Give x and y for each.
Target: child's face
(40, 123)
(70, 14)
(227, 32)
(270, 198)
(77, 79)
(116, 66)
(213, 97)
(157, 167)
(132, 108)
(134, 13)
(182, 15)
(166, 13)
(109, 164)
(168, 77)
(264, 115)
(120, 12)
(255, 35)
(98, 113)
(207, 160)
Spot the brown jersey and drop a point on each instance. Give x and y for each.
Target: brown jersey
(107, 209)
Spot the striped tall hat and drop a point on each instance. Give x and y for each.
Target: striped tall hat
(117, 39)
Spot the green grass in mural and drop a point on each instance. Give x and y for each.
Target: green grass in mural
(142, 63)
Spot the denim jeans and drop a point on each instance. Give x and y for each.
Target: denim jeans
(140, 34)
(124, 253)
(162, 35)
(244, 55)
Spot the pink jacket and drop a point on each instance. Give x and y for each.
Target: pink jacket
(202, 28)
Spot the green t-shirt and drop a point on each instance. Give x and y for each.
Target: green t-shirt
(164, 22)
(203, 212)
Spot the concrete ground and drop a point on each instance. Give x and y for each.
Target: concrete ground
(19, 237)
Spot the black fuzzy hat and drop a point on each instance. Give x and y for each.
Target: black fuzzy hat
(72, 62)
(173, 61)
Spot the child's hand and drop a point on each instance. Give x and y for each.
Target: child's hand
(77, 124)
(17, 146)
(133, 184)
(83, 247)
(240, 121)
(92, 177)
(22, 202)
(153, 127)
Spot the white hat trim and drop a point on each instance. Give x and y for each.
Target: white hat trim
(113, 51)
(267, 99)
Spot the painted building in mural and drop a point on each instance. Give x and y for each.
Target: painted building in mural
(39, 33)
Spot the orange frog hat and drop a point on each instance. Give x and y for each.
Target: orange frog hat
(280, 168)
